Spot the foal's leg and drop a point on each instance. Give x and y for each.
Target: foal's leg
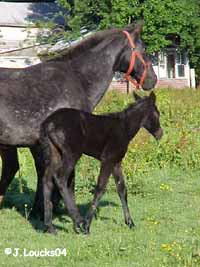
(38, 206)
(67, 194)
(10, 166)
(48, 207)
(122, 191)
(105, 171)
(71, 183)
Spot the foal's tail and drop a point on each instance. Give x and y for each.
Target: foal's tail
(60, 143)
(49, 137)
(55, 140)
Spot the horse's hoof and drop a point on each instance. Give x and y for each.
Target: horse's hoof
(130, 223)
(36, 214)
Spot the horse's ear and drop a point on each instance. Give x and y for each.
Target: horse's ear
(135, 27)
(136, 96)
(152, 96)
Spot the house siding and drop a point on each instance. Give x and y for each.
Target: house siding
(172, 83)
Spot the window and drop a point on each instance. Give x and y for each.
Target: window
(162, 60)
(181, 62)
(154, 59)
(162, 64)
(171, 64)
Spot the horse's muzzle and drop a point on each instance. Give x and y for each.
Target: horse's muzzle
(149, 83)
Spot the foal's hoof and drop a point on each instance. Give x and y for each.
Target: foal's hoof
(51, 230)
(86, 227)
(1, 200)
(130, 223)
(80, 228)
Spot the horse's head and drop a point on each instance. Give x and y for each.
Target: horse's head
(151, 121)
(134, 61)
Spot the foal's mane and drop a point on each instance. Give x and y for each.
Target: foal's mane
(130, 108)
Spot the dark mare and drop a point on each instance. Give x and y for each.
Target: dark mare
(78, 78)
(68, 133)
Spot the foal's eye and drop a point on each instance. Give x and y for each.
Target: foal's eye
(156, 114)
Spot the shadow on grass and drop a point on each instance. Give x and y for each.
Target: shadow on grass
(21, 198)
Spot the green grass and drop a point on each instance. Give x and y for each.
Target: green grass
(163, 192)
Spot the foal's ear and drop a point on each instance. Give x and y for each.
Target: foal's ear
(152, 97)
(136, 96)
(138, 28)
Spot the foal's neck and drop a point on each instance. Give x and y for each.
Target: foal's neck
(134, 116)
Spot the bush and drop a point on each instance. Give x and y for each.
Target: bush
(180, 145)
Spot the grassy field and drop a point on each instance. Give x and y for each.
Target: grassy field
(163, 191)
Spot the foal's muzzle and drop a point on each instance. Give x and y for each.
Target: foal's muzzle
(158, 134)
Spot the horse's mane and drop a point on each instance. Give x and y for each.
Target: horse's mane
(86, 43)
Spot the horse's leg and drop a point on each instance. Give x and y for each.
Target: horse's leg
(105, 171)
(122, 191)
(10, 166)
(38, 206)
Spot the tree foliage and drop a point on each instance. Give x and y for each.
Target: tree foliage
(162, 19)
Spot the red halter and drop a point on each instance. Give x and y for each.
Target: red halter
(135, 54)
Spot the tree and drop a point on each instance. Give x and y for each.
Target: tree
(162, 18)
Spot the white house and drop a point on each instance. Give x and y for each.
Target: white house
(18, 30)
(172, 68)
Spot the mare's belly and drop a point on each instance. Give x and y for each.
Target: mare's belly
(16, 135)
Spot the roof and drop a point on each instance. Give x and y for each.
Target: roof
(24, 13)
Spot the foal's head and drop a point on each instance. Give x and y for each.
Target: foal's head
(151, 121)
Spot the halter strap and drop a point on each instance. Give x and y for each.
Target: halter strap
(135, 54)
